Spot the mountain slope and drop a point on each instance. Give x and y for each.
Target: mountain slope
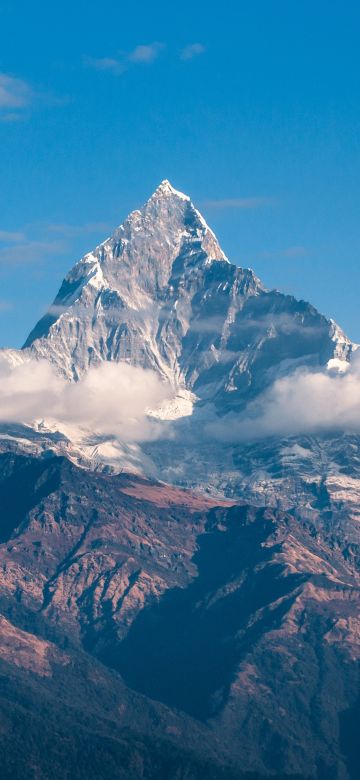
(236, 625)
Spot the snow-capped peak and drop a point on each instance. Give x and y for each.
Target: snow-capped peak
(165, 188)
(161, 294)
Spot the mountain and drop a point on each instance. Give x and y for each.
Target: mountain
(186, 601)
(161, 294)
(234, 630)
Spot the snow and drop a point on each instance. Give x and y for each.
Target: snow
(165, 188)
(96, 278)
(338, 365)
(176, 408)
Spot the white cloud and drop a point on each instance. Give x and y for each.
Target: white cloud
(305, 402)
(143, 54)
(15, 97)
(112, 398)
(14, 93)
(109, 64)
(146, 52)
(192, 50)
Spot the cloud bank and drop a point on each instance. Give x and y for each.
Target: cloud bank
(112, 398)
(305, 402)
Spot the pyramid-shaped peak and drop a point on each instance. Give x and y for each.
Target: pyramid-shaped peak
(165, 189)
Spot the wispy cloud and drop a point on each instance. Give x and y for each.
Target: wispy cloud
(16, 96)
(30, 251)
(10, 236)
(105, 64)
(55, 309)
(192, 50)
(288, 252)
(281, 322)
(146, 53)
(143, 54)
(240, 203)
(207, 325)
(9, 118)
(73, 231)
(5, 306)
(14, 93)
(38, 242)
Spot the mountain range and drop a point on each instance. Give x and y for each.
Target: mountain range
(179, 536)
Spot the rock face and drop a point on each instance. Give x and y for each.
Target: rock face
(233, 622)
(204, 625)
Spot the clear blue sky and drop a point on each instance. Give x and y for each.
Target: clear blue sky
(252, 108)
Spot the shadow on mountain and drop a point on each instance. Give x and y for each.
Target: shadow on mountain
(185, 650)
(24, 482)
(349, 722)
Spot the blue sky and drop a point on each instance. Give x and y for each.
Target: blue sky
(252, 108)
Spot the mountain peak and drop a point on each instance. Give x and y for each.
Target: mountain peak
(166, 189)
(160, 293)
